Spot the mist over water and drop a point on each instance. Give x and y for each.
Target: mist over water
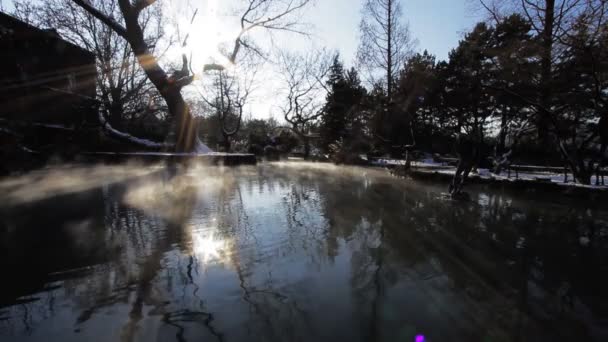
(292, 252)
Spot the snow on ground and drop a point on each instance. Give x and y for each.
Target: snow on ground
(527, 176)
(201, 148)
(429, 165)
(426, 163)
(557, 178)
(53, 126)
(168, 154)
(8, 131)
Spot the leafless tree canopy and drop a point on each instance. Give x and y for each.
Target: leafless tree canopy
(125, 92)
(226, 94)
(268, 14)
(385, 41)
(273, 16)
(302, 78)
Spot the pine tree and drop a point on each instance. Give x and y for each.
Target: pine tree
(342, 104)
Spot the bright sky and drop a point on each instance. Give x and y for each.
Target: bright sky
(436, 24)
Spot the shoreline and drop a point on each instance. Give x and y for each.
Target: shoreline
(572, 190)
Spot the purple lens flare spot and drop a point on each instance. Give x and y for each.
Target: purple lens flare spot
(419, 338)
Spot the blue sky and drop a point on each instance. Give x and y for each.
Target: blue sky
(437, 24)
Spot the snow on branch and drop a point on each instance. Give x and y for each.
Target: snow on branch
(129, 138)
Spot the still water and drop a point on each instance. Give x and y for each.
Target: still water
(293, 252)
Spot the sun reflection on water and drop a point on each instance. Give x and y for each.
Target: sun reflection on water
(209, 248)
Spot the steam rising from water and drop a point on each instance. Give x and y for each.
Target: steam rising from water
(154, 187)
(267, 246)
(47, 183)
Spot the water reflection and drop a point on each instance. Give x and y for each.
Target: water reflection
(294, 252)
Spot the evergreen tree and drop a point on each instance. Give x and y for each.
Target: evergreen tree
(414, 83)
(341, 112)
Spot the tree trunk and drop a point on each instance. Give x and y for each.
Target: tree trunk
(543, 121)
(116, 115)
(185, 126)
(576, 162)
(306, 147)
(503, 132)
(227, 144)
(389, 59)
(408, 159)
(582, 175)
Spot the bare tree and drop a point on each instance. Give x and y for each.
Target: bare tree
(385, 41)
(125, 93)
(227, 96)
(169, 86)
(24, 10)
(268, 14)
(303, 77)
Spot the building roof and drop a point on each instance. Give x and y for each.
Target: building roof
(10, 25)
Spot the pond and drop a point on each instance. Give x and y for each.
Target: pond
(293, 252)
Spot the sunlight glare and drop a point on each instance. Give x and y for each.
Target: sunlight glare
(206, 35)
(206, 247)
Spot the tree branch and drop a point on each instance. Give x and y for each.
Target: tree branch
(140, 5)
(116, 27)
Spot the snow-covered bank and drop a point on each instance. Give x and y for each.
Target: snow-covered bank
(484, 175)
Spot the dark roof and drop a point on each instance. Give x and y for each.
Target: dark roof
(29, 31)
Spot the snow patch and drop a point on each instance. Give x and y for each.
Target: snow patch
(54, 126)
(125, 136)
(9, 132)
(201, 148)
(430, 166)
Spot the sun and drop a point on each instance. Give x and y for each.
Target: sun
(206, 34)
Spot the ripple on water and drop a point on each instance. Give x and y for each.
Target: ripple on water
(292, 251)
